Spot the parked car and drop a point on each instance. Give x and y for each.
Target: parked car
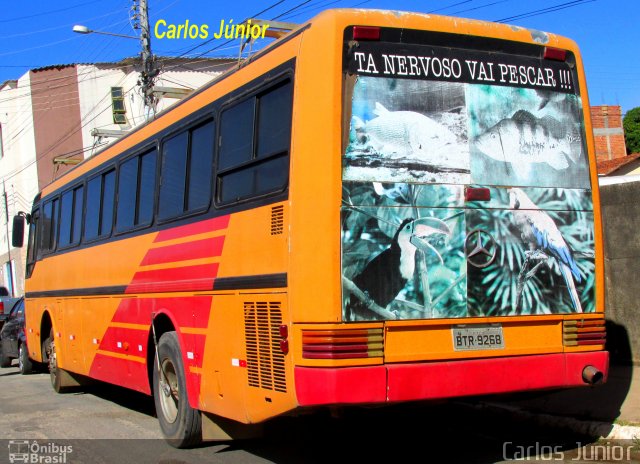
(6, 304)
(13, 340)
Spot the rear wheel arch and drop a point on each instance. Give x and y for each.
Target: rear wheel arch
(161, 324)
(46, 329)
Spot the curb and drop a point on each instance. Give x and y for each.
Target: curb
(585, 427)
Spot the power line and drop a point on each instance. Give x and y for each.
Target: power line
(479, 7)
(450, 6)
(540, 11)
(291, 9)
(48, 12)
(17, 171)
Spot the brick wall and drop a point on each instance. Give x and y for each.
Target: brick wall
(608, 133)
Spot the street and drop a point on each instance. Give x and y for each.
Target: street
(107, 424)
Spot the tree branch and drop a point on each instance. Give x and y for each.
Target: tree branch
(368, 302)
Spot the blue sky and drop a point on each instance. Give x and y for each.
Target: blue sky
(38, 33)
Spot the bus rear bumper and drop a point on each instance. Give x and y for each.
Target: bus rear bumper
(437, 380)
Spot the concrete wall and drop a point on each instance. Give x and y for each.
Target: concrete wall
(621, 219)
(17, 168)
(56, 118)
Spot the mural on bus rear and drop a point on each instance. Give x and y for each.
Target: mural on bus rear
(414, 248)
(403, 251)
(526, 137)
(407, 131)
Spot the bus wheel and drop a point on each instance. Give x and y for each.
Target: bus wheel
(180, 423)
(59, 377)
(5, 361)
(24, 363)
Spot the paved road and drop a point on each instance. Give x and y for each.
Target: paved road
(106, 424)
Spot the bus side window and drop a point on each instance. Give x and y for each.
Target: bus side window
(49, 226)
(173, 176)
(255, 137)
(187, 165)
(136, 191)
(98, 220)
(32, 252)
(66, 212)
(70, 214)
(108, 200)
(200, 167)
(92, 216)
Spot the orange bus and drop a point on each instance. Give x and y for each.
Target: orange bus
(379, 207)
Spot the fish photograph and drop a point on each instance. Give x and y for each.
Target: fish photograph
(404, 130)
(530, 137)
(402, 251)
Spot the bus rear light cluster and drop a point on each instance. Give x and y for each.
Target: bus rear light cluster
(342, 343)
(556, 54)
(366, 33)
(583, 332)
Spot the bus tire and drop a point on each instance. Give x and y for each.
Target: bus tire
(179, 422)
(5, 361)
(24, 363)
(61, 381)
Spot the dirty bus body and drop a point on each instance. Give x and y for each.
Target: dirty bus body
(379, 207)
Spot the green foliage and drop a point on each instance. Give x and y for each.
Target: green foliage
(631, 124)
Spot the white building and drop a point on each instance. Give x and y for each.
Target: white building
(54, 116)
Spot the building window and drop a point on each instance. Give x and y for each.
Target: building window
(117, 105)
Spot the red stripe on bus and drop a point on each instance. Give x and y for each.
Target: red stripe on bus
(121, 372)
(178, 279)
(199, 227)
(125, 341)
(445, 379)
(197, 249)
(134, 311)
(194, 344)
(139, 310)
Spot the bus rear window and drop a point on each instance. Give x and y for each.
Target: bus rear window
(441, 115)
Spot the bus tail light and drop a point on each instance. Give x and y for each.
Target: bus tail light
(477, 194)
(556, 54)
(284, 338)
(583, 332)
(366, 33)
(342, 343)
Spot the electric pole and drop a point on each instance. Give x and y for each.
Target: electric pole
(9, 277)
(149, 71)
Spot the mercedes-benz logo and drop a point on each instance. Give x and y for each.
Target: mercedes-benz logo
(480, 247)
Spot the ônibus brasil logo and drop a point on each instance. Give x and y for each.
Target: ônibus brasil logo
(41, 453)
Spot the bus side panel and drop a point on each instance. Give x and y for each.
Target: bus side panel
(73, 336)
(222, 387)
(248, 373)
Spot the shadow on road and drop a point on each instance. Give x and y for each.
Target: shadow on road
(124, 397)
(601, 403)
(447, 432)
